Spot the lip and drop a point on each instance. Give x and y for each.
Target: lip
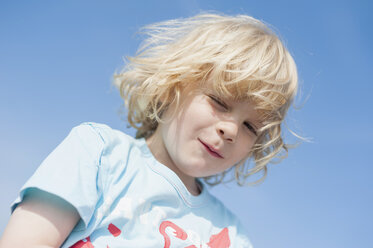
(211, 150)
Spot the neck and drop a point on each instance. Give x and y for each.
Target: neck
(161, 155)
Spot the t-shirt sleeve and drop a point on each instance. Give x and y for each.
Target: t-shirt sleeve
(71, 171)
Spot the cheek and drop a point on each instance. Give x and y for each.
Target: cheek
(179, 130)
(196, 117)
(244, 147)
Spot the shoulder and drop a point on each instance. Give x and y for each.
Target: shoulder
(102, 131)
(94, 143)
(226, 217)
(98, 133)
(112, 147)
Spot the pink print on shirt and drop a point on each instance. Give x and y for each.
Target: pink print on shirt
(83, 244)
(179, 233)
(115, 231)
(220, 240)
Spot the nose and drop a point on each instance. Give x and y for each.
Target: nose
(228, 130)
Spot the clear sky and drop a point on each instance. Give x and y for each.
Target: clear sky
(56, 63)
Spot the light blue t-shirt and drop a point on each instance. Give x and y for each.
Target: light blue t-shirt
(126, 198)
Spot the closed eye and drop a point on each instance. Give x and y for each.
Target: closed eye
(219, 102)
(251, 128)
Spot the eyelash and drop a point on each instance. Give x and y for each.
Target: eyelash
(221, 104)
(250, 127)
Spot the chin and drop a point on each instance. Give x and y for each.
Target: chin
(198, 173)
(197, 169)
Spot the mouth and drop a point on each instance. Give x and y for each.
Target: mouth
(213, 152)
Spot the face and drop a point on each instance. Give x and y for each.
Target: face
(206, 136)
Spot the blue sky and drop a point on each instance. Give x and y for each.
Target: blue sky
(56, 63)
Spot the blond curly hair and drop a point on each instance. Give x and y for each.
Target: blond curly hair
(244, 59)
